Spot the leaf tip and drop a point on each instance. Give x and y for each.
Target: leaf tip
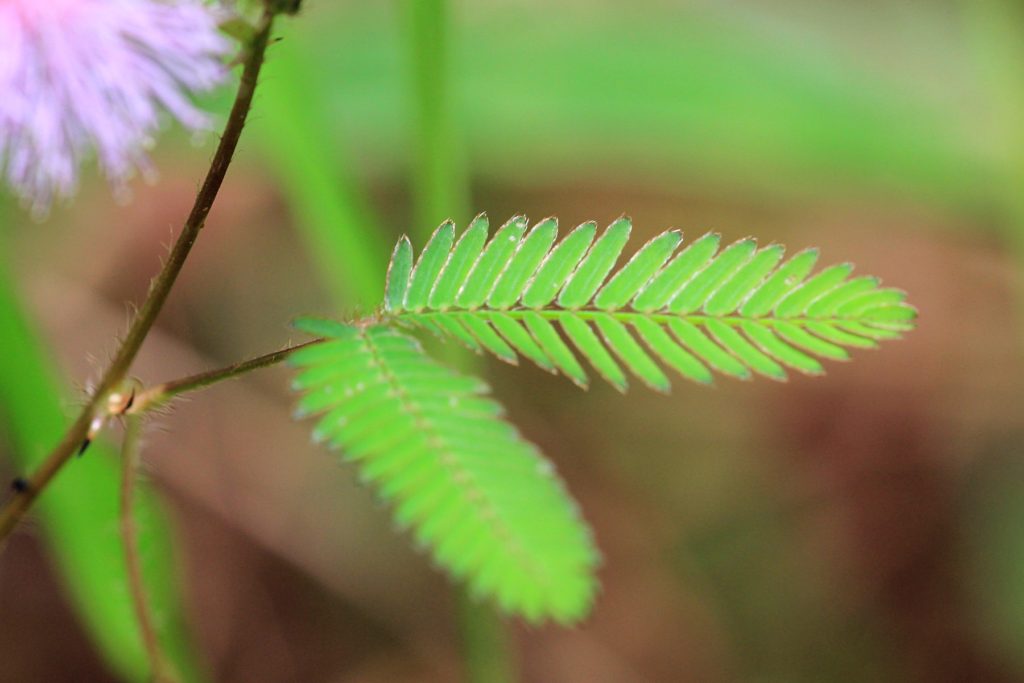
(662, 386)
(623, 222)
(519, 220)
(581, 381)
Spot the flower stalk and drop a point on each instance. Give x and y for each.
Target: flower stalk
(96, 407)
(130, 459)
(161, 394)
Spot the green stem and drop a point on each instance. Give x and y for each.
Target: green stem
(485, 643)
(995, 34)
(161, 394)
(626, 316)
(439, 179)
(85, 424)
(440, 192)
(130, 456)
(330, 213)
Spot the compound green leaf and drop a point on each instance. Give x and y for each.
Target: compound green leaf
(799, 337)
(739, 312)
(834, 333)
(433, 444)
(869, 331)
(754, 358)
(828, 303)
(455, 328)
(898, 316)
(874, 299)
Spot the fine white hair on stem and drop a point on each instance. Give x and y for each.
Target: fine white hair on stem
(88, 79)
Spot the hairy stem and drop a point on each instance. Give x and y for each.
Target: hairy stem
(79, 432)
(130, 455)
(160, 394)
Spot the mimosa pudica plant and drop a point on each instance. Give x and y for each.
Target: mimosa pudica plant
(435, 445)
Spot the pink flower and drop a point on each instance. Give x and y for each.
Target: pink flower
(84, 78)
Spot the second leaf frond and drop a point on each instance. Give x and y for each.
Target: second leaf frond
(737, 310)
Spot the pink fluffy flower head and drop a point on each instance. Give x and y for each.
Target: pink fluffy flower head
(94, 78)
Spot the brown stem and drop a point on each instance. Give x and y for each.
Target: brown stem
(160, 394)
(79, 431)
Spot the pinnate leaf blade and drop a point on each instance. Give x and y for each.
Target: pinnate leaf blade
(700, 312)
(481, 498)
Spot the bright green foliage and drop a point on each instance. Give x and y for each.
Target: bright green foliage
(737, 310)
(435, 446)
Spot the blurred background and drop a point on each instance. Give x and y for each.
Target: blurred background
(864, 526)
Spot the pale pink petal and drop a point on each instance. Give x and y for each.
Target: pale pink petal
(86, 79)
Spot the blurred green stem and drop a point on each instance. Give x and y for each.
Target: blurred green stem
(439, 182)
(995, 30)
(440, 191)
(330, 213)
(485, 645)
(130, 457)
